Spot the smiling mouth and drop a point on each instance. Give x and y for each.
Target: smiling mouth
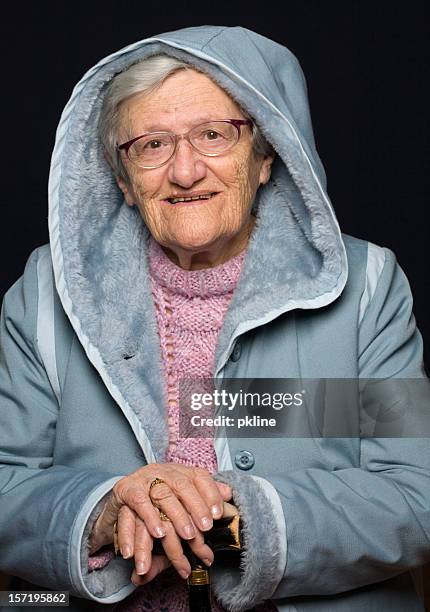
(205, 196)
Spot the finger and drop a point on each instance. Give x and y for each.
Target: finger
(201, 550)
(143, 543)
(229, 510)
(214, 493)
(159, 564)
(126, 531)
(225, 490)
(174, 552)
(136, 497)
(193, 500)
(167, 500)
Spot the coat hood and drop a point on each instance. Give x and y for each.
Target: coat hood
(295, 259)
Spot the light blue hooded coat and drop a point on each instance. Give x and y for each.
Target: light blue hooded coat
(329, 524)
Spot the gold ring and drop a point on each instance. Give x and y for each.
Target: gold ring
(115, 537)
(156, 481)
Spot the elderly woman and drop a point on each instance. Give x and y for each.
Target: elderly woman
(182, 247)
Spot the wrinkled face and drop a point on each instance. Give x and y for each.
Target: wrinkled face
(220, 224)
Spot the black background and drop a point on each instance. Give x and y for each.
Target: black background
(366, 65)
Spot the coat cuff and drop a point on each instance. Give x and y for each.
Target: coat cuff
(112, 583)
(263, 560)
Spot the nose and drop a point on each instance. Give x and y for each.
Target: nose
(186, 166)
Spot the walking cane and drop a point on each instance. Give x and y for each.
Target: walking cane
(224, 537)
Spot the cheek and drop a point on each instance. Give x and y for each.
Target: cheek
(244, 181)
(141, 186)
(145, 191)
(145, 198)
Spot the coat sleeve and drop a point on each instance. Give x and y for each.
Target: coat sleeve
(46, 510)
(330, 531)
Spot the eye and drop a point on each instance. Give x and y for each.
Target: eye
(153, 144)
(211, 135)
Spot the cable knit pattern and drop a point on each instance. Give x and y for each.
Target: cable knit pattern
(190, 307)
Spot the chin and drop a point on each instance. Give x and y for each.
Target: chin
(195, 244)
(198, 239)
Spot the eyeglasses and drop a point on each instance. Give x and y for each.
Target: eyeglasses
(154, 149)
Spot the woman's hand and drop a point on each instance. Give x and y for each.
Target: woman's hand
(190, 497)
(148, 566)
(140, 545)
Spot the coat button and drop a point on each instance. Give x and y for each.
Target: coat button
(244, 460)
(237, 351)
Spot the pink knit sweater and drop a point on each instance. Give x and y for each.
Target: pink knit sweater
(190, 307)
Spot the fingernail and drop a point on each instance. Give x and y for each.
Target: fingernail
(190, 531)
(206, 522)
(207, 561)
(160, 532)
(184, 574)
(216, 511)
(126, 552)
(140, 568)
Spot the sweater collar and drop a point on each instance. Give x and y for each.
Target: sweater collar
(219, 280)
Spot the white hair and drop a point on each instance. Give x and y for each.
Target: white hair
(143, 77)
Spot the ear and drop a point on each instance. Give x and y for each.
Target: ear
(126, 190)
(266, 169)
(108, 158)
(121, 182)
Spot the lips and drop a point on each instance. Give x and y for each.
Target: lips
(194, 198)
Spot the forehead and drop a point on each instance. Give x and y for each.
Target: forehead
(184, 99)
